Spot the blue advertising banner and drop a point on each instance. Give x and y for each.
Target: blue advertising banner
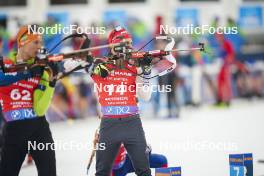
(115, 17)
(251, 16)
(186, 16)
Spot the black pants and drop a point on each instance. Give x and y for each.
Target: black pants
(128, 131)
(16, 138)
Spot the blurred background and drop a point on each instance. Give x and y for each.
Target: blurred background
(226, 83)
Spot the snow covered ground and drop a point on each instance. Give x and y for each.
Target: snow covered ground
(200, 141)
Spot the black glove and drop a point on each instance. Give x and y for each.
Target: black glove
(36, 70)
(54, 67)
(146, 70)
(145, 64)
(101, 70)
(52, 83)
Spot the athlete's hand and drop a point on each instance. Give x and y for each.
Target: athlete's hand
(53, 71)
(146, 70)
(54, 67)
(146, 66)
(101, 70)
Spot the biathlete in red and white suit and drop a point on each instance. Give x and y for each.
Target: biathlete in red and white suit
(117, 94)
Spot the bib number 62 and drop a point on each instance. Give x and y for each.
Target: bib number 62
(17, 95)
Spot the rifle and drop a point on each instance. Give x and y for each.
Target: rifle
(54, 58)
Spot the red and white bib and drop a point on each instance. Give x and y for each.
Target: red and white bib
(17, 99)
(117, 92)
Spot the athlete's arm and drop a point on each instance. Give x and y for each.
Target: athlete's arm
(43, 95)
(10, 78)
(7, 79)
(144, 90)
